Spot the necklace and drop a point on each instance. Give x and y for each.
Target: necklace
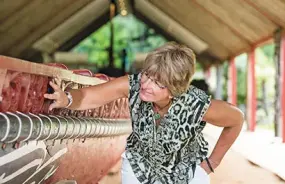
(157, 116)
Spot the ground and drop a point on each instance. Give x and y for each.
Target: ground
(234, 169)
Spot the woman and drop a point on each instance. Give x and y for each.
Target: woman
(168, 115)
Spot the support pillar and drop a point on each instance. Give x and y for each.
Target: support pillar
(282, 64)
(278, 87)
(219, 82)
(232, 83)
(207, 73)
(251, 91)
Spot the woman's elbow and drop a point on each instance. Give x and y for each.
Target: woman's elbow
(239, 118)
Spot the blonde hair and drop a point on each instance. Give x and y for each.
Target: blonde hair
(173, 65)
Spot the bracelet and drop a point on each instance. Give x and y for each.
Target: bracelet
(209, 164)
(70, 99)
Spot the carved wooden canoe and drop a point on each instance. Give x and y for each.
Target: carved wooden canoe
(41, 146)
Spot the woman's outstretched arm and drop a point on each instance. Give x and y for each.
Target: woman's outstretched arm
(90, 97)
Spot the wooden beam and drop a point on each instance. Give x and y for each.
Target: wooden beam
(259, 43)
(247, 22)
(154, 26)
(209, 10)
(20, 25)
(34, 55)
(16, 50)
(9, 8)
(172, 26)
(273, 10)
(84, 33)
(54, 39)
(222, 42)
(45, 70)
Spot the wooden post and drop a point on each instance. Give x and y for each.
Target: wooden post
(111, 48)
(251, 91)
(277, 99)
(232, 83)
(219, 78)
(207, 73)
(282, 83)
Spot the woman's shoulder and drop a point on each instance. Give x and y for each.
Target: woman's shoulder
(134, 84)
(134, 78)
(195, 92)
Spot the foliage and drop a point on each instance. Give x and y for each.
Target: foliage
(264, 72)
(241, 66)
(265, 79)
(129, 33)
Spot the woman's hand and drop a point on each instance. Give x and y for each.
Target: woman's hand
(206, 167)
(59, 97)
(89, 97)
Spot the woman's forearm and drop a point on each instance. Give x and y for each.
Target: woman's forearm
(223, 114)
(89, 97)
(98, 95)
(225, 141)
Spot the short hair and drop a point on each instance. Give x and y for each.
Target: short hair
(173, 65)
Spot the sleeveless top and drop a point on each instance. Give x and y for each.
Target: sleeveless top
(167, 153)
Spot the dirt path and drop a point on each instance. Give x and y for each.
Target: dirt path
(234, 169)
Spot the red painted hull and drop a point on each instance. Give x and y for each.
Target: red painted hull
(88, 162)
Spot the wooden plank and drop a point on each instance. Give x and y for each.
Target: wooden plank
(173, 28)
(32, 16)
(8, 8)
(16, 18)
(84, 33)
(43, 29)
(243, 19)
(219, 50)
(41, 69)
(7, 25)
(71, 26)
(273, 9)
(223, 42)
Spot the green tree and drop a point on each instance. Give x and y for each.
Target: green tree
(129, 33)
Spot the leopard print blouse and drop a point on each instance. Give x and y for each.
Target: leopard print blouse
(167, 154)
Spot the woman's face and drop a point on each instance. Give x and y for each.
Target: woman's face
(151, 90)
